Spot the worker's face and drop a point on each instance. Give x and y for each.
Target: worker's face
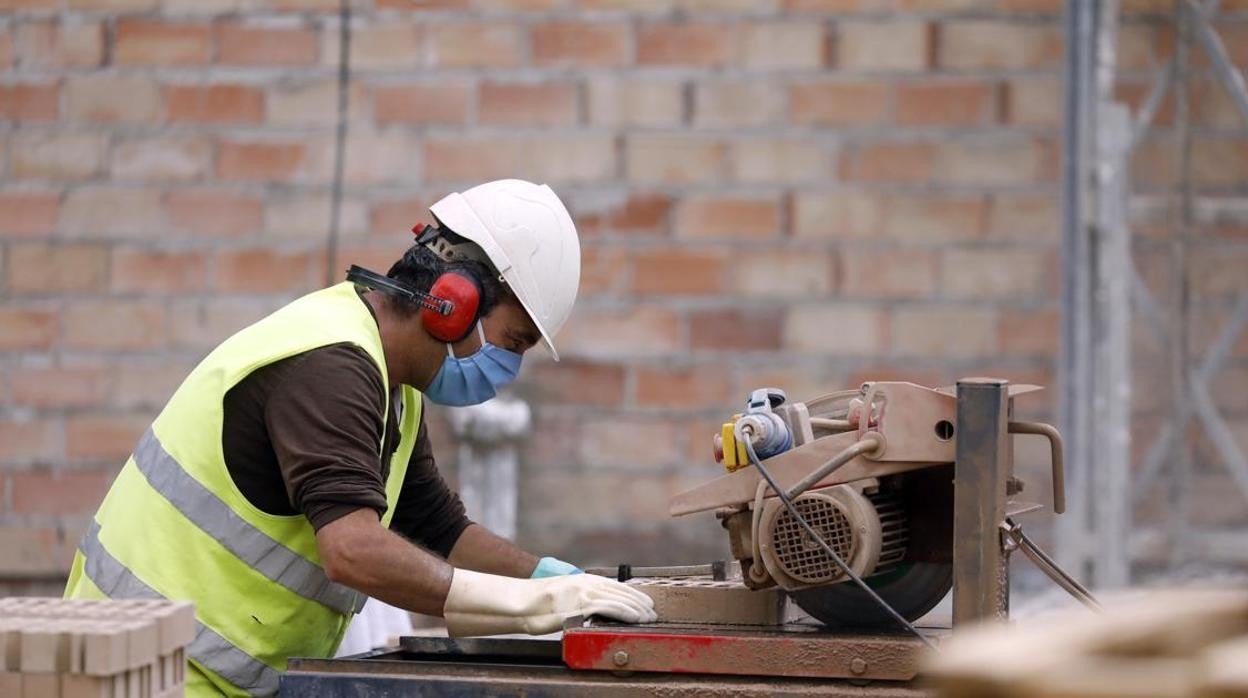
(507, 326)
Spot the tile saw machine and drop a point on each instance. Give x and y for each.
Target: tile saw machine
(865, 507)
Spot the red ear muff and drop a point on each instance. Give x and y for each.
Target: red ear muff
(464, 296)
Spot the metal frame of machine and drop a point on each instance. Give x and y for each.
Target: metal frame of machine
(792, 659)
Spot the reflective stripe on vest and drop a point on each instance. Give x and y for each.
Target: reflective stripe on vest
(251, 545)
(208, 648)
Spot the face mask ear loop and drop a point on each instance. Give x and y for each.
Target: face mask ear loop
(481, 332)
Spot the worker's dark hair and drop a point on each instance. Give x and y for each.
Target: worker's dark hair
(420, 267)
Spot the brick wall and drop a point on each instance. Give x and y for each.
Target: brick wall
(801, 193)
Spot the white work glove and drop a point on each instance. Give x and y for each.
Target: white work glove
(487, 604)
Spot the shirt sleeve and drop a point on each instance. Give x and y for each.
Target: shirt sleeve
(325, 423)
(428, 512)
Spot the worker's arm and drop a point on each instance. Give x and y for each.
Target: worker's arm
(479, 549)
(357, 551)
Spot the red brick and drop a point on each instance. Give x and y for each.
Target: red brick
(115, 325)
(8, 51)
(396, 216)
(1022, 216)
(1219, 161)
(203, 324)
(32, 551)
(56, 155)
(1029, 332)
(705, 45)
(477, 45)
(30, 101)
(111, 212)
(259, 161)
(635, 102)
(783, 273)
(147, 386)
(146, 42)
(389, 45)
(622, 333)
(736, 330)
(313, 101)
(837, 215)
(944, 331)
(266, 271)
(572, 382)
(29, 441)
(995, 274)
(829, 6)
(164, 157)
(28, 214)
(642, 212)
(834, 329)
(785, 45)
(675, 159)
(61, 386)
(771, 161)
(158, 271)
(894, 162)
(257, 45)
(680, 271)
(445, 102)
(61, 44)
(57, 268)
(10, 5)
(101, 437)
(547, 104)
(960, 103)
(26, 328)
(215, 104)
(65, 493)
(889, 273)
(581, 44)
(630, 442)
(113, 97)
(212, 212)
(683, 387)
(728, 216)
(576, 158)
(1038, 102)
(995, 45)
(890, 45)
(748, 103)
(839, 103)
(604, 271)
(930, 219)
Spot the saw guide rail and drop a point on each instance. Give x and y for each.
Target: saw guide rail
(882, 500)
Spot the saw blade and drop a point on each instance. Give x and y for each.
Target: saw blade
(912, 589)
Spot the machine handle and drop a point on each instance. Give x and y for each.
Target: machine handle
(1055, 446)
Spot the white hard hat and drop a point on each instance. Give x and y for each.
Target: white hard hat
(528, 235)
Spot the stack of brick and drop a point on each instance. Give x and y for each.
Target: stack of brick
(73, 648)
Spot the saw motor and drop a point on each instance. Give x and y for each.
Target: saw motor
(870, 471)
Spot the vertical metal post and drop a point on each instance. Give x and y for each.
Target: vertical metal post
(1111, 405)
(1074, 364)
(983, 463)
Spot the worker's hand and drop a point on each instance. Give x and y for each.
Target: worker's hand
(487, 604)
(553, 567)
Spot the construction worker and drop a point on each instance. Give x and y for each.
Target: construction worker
(290, 476)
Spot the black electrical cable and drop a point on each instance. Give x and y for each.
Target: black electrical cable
(788, 504)
(340, 140)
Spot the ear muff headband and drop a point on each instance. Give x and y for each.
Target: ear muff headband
(448, 311)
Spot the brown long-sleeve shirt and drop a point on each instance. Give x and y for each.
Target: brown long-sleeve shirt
(300, 436)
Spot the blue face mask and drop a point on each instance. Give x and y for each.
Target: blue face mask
(475, 378)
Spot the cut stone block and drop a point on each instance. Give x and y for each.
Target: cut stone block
(703, 600)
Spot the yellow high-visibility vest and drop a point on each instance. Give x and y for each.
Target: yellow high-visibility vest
(174, 525)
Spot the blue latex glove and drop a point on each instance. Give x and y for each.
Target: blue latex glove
(553, 567)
